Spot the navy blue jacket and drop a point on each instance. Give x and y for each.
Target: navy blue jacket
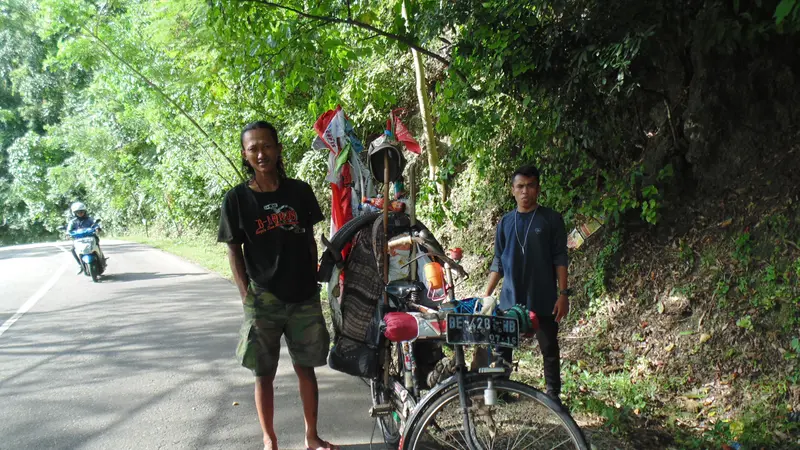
(530, 275)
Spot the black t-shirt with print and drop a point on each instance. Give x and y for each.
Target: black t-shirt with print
(274, 228)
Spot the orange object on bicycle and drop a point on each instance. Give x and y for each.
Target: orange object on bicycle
(435, 275)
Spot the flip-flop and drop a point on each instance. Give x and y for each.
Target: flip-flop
(327, 446)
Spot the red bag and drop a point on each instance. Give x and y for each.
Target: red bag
(400, 327)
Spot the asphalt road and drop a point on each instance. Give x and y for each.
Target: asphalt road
(142, 360)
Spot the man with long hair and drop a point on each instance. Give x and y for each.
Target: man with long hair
(268, 223)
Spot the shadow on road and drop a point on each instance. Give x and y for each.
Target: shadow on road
(50, 249)
(139, 276)
(184, 331)
(34, 252)
(124, 247)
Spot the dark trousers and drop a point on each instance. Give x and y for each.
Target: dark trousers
(547, 335)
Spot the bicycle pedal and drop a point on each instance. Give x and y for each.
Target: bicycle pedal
(492, 370)
(383, 409)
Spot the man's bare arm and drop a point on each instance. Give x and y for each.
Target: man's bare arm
(561, 272)
(313, 248)
(236, 260)
(561, 308)
(494, 278)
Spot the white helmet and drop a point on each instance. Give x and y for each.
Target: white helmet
(77, 206)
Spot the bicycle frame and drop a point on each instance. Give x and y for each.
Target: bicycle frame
(409, 391)
(462, 378)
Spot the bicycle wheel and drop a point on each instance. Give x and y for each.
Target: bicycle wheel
(521, 418)
(391, 424)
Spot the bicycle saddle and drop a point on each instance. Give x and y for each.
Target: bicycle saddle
(402, 289)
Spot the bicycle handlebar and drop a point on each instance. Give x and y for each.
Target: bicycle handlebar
(432, 251)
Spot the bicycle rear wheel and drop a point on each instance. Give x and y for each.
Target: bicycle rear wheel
(521, 418)
(389, 424)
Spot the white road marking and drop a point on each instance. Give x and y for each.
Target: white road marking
(32, 301)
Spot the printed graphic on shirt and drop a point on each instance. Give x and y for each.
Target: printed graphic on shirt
(283, 217)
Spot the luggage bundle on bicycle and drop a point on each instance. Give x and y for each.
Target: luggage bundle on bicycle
(356, 287)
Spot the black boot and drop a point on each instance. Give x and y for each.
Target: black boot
(552, 377)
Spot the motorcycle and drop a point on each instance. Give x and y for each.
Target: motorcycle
(85, 244)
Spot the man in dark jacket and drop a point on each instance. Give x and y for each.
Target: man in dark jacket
(531, 256)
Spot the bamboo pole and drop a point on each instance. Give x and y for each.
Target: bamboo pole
(412, 213)
(385, 225)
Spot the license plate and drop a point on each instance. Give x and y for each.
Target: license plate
(468, 329)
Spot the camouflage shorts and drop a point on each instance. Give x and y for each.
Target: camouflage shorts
(266, 319)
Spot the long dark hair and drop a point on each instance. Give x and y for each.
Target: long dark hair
(262, 125)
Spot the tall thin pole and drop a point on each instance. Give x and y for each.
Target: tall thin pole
(385, 224)
(412, 212)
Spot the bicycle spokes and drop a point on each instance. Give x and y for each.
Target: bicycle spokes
(516, 421)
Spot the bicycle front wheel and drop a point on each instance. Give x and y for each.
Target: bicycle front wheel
(521, 418)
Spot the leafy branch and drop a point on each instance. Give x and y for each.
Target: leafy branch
(163, 94)
(355, 23)
(352, 22)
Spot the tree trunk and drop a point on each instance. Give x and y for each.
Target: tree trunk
(427, 122)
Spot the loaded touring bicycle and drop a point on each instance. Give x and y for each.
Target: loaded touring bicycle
(399, 325)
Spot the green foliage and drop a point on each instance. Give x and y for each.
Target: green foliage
(135, 107)
(721, 294)
(686, 253)
(787, 9)
(796, 267)
(587, 389)
(167, 83)
(666, 173)
(745, 322)
(173, 82)
(743, 249)
(794, 350)
(756, 426)
(595, 285)
(766, 279)
(650, 204)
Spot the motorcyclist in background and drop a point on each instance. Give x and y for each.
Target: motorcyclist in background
(81, 220)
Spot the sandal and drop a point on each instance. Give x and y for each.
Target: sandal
(327, 446)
